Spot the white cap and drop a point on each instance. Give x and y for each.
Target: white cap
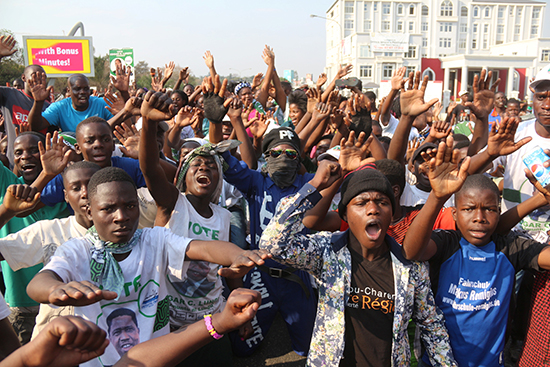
(542, 75)
(333, 152)
(462, 92)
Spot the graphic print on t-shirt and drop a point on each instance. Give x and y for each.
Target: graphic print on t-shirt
(474, 291)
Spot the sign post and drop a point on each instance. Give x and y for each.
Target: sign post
(60, 56)
(123, 57)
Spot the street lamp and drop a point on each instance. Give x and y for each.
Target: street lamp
(339, 38)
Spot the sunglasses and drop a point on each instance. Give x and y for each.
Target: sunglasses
(290, 153)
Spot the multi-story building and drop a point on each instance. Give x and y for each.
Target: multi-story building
(449, 40)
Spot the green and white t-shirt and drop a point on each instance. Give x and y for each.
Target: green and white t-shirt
(517, 187)
(158, 253)
(198, 291)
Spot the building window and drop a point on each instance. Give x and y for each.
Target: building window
(536, 13)
(365, 71)
(387, 71)
(399, 26)
(411, 27)
(487, 12)
(386, 7)
(411, 54)
(348, 27)
(410, 69)
(517, 32)
(424, 42)
(534, 30)
(385, 26)
(474, 28)
(375, 6)
(424, 26)
(445, 27)
(364, 51)
(430, 73)
(425, 11)
(545, 55)
(400, 9)
(462, 43)
(388, 54)
(348, 7)
(411, 9)
(485, 43)
(486, 28)
(446, 9)
(366, 7)
(476, 11)
(444, 42)
(474, 43)
(367, 26)
(500, 12)
(463, 27)
(424, 55)
(500, 29)
(464, 11)
(519, 11)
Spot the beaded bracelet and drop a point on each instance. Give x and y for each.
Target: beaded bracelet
(210, 327)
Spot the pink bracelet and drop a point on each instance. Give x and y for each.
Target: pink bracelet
(210, 327)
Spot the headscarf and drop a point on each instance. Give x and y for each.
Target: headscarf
(104, 268)
(207, 150)
(240, 86)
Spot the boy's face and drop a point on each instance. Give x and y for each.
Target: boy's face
(476, 214)
(369, 216)
(421, 169)
(114, 210)
(26, 157)
(202, 177)
(512, 109)
(95, 142)
(76, 189)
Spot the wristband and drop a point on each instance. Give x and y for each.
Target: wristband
(210, 327)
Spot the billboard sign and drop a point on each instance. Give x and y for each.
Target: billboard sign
(390, 42)
(123, 57)
(60, 56)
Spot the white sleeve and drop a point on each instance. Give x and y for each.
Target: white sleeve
(70, 261)
(23, 249)
(4, 309)
(175, 247)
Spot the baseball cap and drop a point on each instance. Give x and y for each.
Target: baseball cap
(333, 152)
(462, 92)
(542, 75)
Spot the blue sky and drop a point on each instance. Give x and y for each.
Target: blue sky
(180, 31)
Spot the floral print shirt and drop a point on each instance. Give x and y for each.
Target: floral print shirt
(326, 256)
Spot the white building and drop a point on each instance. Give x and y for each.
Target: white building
(450, 40)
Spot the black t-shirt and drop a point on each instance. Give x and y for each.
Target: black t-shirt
(456, 112)
(369, 311)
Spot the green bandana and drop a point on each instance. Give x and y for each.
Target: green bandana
(104, 269)
(207, 150)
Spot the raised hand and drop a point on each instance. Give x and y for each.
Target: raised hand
(184, 74)
(543, 190)
(451, 107)
(115, 102)
(156, 107)
(7, 46)
(39, 86)
(22, 127)
(268, 55)
(334, 99)
(208, 59)
(256, 81)
(168, 71)
(215, 105)
(184, 117)
(259, 126)
(79, 294)
(235, 108)
(412, 99)
(20, 198)
(444, 173)
(439, 130)
(353, 152)
(437, 110)
(55, 156)
(129, 137)
(321, 111)
(122, 79)
(240, 308)
(343, 71)
(133, 105)
(483, 96)
(501, 141)
(412, 146)
(321, 80)
(327, 173)
(313, 98)
(244, 262)
(398, 78)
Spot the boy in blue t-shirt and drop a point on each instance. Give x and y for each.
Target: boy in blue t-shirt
(472, 269)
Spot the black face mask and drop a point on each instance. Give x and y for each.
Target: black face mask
(282, 170)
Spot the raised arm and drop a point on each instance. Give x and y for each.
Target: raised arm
(122, 81)
(183, 76)
(342, 72)
(446, 179)
(248, 154)
(17, 199)
(7, 46)
(397, 83)
(209, 61)
(155, 108)
(269, 58)
(40, 94)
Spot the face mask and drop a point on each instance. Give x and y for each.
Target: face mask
(282, 170)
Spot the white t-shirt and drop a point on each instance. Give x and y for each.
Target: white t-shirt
(389, 129)
(517, 187)
(198, 290)
(158, 253)
(413, 196)
(36, 244)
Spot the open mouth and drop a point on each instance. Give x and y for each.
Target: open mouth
(203, 180)
(373, 231)
(28, 167)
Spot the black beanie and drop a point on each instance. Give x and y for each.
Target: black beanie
(365, 178)
(281, 135)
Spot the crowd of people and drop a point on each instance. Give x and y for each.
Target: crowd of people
(138, 226)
